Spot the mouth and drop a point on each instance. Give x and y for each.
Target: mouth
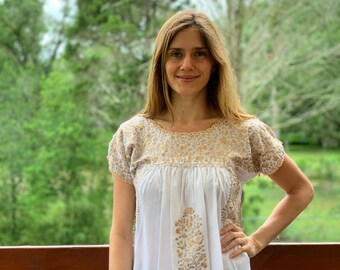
(187, 78)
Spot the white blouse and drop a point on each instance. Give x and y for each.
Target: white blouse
(188, 186)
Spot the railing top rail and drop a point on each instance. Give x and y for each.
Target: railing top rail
(277, 256)
(106, 245)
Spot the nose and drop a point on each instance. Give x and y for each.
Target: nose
(187, 63)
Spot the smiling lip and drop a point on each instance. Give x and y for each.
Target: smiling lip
(187, 78)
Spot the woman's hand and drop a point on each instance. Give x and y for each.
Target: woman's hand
(232, 236)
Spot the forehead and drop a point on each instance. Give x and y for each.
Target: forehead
(188, 38)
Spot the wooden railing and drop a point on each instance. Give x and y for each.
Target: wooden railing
(278, 256)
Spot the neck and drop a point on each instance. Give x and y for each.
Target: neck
(188, 109)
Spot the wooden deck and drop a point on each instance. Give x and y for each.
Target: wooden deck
(278, 256)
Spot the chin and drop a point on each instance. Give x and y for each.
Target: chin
(187, 92)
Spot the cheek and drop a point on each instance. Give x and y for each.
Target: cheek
(169, 70)
(167, 74)
(209, 67)
(209, 70)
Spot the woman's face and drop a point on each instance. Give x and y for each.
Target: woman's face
(188, 63)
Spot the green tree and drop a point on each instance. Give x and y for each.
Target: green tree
(20, 30)
(110, 45)
(68, 169)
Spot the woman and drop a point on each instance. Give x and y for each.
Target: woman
(179, 167)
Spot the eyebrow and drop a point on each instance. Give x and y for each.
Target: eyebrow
(196, 48)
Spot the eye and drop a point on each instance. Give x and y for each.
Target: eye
(176, 54)
(201, 54)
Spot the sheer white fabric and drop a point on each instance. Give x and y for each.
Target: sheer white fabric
(188, 186)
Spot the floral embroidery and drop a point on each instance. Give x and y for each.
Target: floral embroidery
(231, 212)
(190, 247)
(224, 216)
(248, 147)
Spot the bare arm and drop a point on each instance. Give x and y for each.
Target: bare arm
(121, 236)
(299, 193)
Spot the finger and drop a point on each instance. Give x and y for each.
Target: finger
(226, 238)
(230, 227)
(238, 252)
(234, 243)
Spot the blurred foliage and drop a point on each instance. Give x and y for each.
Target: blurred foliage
(318, 223)
(67, 83)
(289, 58)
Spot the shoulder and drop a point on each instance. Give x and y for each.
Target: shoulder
(251, 123)
(135, 124)
(252, 130)
(255, 125)
(133, 132)
(248, 125)
(130, 135)
(134, 128)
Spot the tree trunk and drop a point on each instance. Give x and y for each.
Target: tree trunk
(274, 109)
(235, 12)
(13, 208)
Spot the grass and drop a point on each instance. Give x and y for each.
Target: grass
(320, 222)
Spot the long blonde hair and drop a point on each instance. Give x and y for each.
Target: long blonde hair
(222, 94)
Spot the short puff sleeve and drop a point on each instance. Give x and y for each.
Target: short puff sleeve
(119, 156)
(267, 151)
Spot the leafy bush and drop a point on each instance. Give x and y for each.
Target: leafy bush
(319, 165)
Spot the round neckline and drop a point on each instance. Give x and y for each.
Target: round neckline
(199, 132)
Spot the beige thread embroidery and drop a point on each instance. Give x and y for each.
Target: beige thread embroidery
(248, 146)
(224, 216)
(190, 248)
